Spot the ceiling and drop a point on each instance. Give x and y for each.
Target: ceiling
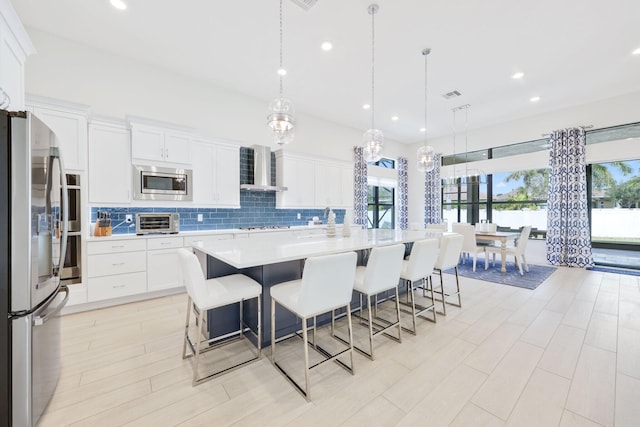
(571, 51)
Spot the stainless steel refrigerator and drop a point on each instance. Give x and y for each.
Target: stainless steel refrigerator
(33, 236)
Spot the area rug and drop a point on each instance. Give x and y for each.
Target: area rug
(616, 270)
(530, 280)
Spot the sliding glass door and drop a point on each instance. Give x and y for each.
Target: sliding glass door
(615, 212)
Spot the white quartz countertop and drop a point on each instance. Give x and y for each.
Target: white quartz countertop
(243, 253)
(234, 231)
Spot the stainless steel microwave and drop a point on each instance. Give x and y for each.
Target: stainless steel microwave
(158, 183)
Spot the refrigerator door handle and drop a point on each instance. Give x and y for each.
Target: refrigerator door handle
(40, 320)
(65, 207)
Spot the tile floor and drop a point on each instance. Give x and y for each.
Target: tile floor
(565, 354)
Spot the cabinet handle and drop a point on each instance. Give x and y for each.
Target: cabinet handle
(118, 286)
(117, 264)
(161, 152)
(117, 246)
(166, 153)
(165, 243)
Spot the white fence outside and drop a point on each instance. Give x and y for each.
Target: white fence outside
(606, 223)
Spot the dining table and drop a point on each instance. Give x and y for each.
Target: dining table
(498, 236)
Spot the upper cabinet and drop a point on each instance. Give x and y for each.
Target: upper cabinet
(156, 143)
(69, 122)
(216, 174)
(15, 47)
(297, 173)
(312, 182)
(109, 163)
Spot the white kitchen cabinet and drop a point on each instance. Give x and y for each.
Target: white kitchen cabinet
(313, 183)
(109, 163)
(327, 185)
(116, 268)
(201, 240)
(157, 144)
(15, 47)
(122, 285)
(163, 263)
(298, 174)
(227, 169)
(69, 122)
(216, 174)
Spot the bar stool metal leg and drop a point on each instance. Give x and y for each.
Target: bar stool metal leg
(186, 329)
(305, 343)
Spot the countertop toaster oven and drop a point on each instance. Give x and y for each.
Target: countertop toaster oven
(154, 222)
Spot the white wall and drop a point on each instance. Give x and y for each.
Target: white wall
(115, 86)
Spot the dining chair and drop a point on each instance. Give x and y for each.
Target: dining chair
(207, 294)
(518, 251)
(490, 227)
(326, 285)
(437, 227)
(469, 245)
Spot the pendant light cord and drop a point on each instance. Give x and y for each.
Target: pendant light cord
(281, 42)
(373, 12)
(425, 53)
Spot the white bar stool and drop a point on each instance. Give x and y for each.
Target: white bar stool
(326, 285)
(416, 269)
(205, 295)
(448, 257)
(381, 274)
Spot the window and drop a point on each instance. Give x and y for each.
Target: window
(385, 163)
(520, 198)
(381, 211)
(466, 200)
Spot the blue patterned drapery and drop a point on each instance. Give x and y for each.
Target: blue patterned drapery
(568, 232)
(359, 188)
(433, 193)
(403, 193)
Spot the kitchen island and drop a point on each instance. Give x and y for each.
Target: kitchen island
(280, 259)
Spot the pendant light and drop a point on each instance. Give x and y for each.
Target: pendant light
(426, 154)
(373, 138)
(470, 176)
(281, 117)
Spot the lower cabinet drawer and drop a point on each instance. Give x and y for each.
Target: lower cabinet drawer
(120, 285)
(118, 263)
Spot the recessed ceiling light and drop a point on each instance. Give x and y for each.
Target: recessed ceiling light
(423, 130)
(282, 72)
(366, 106)
(395, 118)
(326, 46)
(534, 99)
(518, 75)
(636, 52)
(118, 4)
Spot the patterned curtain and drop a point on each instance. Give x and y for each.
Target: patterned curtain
(403, 193)
(433, 193)
(568, 233)
(360, 188)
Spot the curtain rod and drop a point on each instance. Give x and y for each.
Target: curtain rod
(585, 127)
